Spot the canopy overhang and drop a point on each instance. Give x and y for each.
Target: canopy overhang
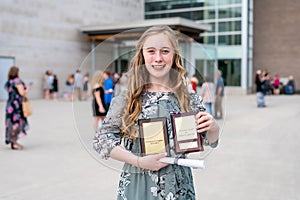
(132, 30)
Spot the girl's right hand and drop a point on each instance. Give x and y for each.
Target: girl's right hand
(152, 162)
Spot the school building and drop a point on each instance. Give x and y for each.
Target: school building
(236, 36)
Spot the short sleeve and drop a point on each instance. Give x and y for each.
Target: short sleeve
(196, 105)
(109, 136)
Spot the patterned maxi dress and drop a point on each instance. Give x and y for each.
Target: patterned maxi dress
(169, 183)
(15, 122)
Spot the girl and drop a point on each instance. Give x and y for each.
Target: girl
(157, 87)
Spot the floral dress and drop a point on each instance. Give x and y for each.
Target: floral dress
(15, 122)
(169, 183)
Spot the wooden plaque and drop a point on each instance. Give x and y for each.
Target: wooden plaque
(154, 136)
(186, 138)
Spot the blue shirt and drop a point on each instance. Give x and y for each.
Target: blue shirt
(108, 84)
(220, 83)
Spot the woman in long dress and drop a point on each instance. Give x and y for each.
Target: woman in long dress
(16, 123)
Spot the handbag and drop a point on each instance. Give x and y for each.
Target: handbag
(26, 107)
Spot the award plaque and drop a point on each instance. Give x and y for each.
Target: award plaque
(186, 138)
(154, 136)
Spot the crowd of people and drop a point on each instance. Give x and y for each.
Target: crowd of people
(103, 89)
(78, 86)
(50, 85)
(75, 83)
(267, 85)
(211, 94)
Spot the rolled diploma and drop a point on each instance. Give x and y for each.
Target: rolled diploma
(192, 163)
(185, 162)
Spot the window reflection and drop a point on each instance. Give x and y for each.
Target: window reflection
(230, 26)
(230, 40)
(231, 71)
(230, 12)
(227, 2)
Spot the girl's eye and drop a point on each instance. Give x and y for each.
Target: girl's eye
(165, 51)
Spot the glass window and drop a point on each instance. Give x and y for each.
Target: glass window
(198, 15)
(213, 27)
(210, 71)
(181, 14)
(154, 7)
(151, 16)
(209, 39)
(227, 2)
(230, 12)
(209, 3)
(204, 68)
(230, 40)
(230, 26)
(199, 71)
(231, 71)
(186, 15)
(209, 14)
(169, 5)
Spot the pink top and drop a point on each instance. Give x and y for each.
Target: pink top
(208, 92)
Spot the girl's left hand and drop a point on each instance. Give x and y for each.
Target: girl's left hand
(205, 122)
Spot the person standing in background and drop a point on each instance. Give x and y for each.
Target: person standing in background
(86, 79)
(194, 82)
(108, 89)
(48, 81)
(260, 91)
(208, 94)
(99, 111)
(276, 85)
(16, 123)
(46, 86)
(78, 84)
(268, 88)
(289, 88)
(54, 89)
(70, 87)
(219, 95)
(121, 84)
(115, 78)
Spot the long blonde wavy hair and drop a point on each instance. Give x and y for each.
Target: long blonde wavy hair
(138, 80)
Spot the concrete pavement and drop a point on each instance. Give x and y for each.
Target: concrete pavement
(258, 156)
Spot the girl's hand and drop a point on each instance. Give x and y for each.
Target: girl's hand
(101, 109)
(152, 162)
(205, 122)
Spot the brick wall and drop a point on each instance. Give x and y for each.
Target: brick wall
(277, 38)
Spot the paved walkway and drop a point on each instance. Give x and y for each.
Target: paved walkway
(258, 156)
